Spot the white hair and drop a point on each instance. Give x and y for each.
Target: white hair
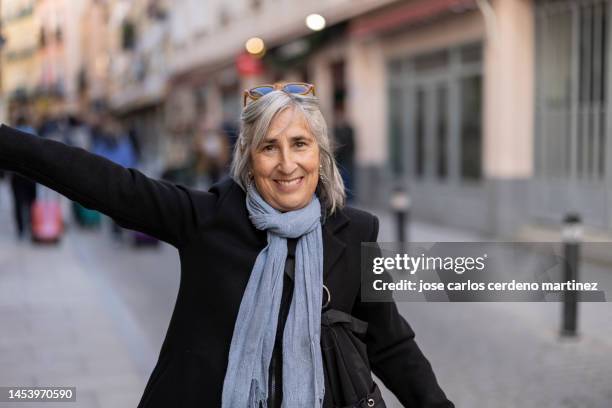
(256, 118)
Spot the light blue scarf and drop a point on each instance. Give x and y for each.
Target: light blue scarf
(246, 379)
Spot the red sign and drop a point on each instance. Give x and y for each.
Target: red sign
(248, 65)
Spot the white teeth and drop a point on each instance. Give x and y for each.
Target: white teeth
(289, 182)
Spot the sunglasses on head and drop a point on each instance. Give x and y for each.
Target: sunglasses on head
(297, 88)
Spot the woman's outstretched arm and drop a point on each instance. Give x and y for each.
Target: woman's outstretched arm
(158, 208)
(394, 355)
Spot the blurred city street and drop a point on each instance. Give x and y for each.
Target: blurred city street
(485, 120)
(92, 313)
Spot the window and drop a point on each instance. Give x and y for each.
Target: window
(471, 130)
(431, 62)
(439, 99)
(571, 50)
(419, 127)
(441, 133)
(395, 128)
(42, 40)
(128, 35)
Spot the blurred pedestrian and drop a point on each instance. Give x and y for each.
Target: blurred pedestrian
(214, 147)
(113, 143)
(135, 140)
(55, 127)
(344, 136)
(24, 190)
(179, 167)
(78, 133)
(231, 129)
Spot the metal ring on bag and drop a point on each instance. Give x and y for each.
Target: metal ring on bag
(328, 297)
(371, 402)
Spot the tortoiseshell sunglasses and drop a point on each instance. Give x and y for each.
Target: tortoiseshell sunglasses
(298, 88)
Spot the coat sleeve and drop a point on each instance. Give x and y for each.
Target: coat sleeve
(158, 208)
(394, 355)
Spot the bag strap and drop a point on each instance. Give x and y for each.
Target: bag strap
(333, 316)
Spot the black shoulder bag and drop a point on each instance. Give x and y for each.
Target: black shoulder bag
(348, 377)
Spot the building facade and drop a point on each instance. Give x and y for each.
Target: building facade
(20, 68)
(496, 112)
(457, 81)
(491, 114)
(96, 53)
(59, 52)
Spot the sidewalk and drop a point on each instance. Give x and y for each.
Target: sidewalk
(418, 231)
(62, 325)
(56, 331)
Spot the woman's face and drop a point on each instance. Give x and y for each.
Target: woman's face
(285, 165)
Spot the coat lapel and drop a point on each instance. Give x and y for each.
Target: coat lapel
(333, 247)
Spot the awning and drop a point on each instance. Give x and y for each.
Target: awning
(296, 52)
(406, 14)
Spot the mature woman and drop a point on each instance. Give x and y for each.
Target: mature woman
(257, 252)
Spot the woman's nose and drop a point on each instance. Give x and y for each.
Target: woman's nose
(287, 162)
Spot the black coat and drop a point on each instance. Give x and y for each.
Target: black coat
(218, 245)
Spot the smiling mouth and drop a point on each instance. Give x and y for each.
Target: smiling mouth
(290, 182)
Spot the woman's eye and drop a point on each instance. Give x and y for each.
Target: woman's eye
(268, 148)
(300, 144)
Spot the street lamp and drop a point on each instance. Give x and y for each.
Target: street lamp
(315, 22)
(255, 46)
